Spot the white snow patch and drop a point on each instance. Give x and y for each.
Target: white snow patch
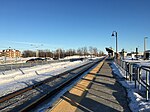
(14, 80)
(137, 102)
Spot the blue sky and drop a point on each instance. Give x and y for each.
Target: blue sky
(52, 24)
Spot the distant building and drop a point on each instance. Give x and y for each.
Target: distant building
(147, 55)
(1, 53)
(134, 55)
(11, 53)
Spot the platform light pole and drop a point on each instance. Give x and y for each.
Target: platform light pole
(145, 43)
(114, 33)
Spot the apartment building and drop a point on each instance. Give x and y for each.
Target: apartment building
(1, 53)
(11, 53)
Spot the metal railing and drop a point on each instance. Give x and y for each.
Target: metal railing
(6, 67)
(18, 66)
(139, 74)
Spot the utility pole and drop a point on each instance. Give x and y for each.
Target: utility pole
(145, 43)
(114, 33)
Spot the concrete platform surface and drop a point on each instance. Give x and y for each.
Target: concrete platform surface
(98, 91)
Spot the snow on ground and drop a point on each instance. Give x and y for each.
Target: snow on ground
(76, 56)
(137, 103)
(130, 59)
(17, 60)
(16, 79)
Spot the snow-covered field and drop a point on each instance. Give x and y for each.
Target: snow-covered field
(16, 79)
(137, 103)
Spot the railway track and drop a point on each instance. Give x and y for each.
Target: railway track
(24, 99)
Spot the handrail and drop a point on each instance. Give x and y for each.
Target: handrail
(144, 83)
(134, 73)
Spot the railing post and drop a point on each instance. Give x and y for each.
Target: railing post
(135, 76)
(123, 67)
(126, 69)
(139, 78)
(130, 72)
(147, 86)
(121, 62)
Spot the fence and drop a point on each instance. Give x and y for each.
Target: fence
(139, 74)
(5, 67)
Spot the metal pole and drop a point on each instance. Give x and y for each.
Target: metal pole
(130, 71)
(138, 73)
(115, 34)
(126, 68)
(37, 53)
(116, 46)
(59, 53)
(136, 53)
(147, 88)
(145, 43)
(139, 78)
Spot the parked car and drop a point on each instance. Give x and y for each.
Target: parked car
(55, 58)
(33, 60)
(76, 59)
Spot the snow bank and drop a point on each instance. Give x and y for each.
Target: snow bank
(137, 103)
(18, 79)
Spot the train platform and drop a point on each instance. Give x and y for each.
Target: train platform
(98, 91)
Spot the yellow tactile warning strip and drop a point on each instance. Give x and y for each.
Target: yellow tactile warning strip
(70, 100)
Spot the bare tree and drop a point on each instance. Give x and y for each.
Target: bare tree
(28, 53)
(91, 50)
(60, 53)
(95, 51)
(79, 51)
(100, 53)
(85, 51)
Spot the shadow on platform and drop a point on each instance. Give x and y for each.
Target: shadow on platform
(104, 94)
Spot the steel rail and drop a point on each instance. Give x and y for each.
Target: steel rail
(52, 92)
(12, 95)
